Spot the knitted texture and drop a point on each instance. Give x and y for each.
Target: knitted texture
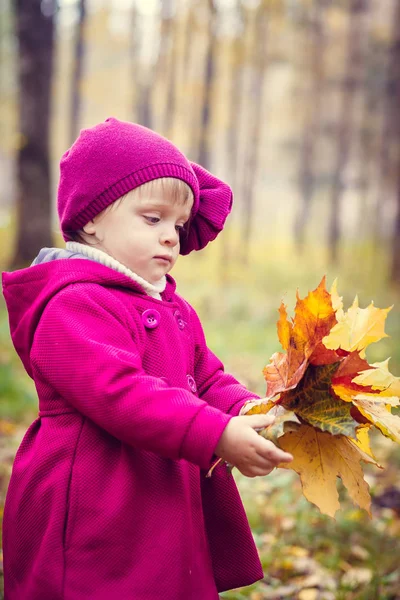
(108, 496)
(114, 157)
(215, 205)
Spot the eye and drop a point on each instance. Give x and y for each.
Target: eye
(152, 220)
(179, 227)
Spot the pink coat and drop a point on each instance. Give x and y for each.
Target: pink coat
(108, 496)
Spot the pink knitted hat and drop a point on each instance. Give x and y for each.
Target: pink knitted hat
(114, 157)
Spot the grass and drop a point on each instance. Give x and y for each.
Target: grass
(305, 555)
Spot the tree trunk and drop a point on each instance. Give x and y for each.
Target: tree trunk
(316, 47)
(163, 66)
(236, 102)
(234, 105)
(390, 136)
(258, 59)
(373, 94)
(35, 33)
(77, 72)
(205, 123)
(351, 83)
(395, 96)
(170, 105)
(395, 270)
(142, 78)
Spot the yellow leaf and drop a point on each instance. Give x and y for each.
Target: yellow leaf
(380, 379)
(261, 407)
(362, 440)
(344, 392)
(380, 415)
(320, 458)
(358, 328)
(337, 303)
(285, 328)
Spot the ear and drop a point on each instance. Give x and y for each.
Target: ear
(90, 228)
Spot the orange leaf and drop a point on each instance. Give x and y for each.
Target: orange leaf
(352, 364)
(323, 356)
(314, 318)
(281, 375)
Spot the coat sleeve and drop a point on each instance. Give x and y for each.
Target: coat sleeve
(86, 350)
(221, 390)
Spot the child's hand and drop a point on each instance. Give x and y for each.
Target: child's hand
(241, 446)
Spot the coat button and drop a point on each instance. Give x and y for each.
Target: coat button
(191, 383)
(151, 318)
(181, 323)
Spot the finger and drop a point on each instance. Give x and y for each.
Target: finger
(260, 462)
(259, 421)
(257, 471)
(269, 451)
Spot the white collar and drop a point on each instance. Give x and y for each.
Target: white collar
(102, 257)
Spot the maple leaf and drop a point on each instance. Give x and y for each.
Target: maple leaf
(357, 328)
(379, 378)
(313, 401)
(314, 318)
(380, 415)
(337, 301)
(285, 421)
(374, 380)
(362, 441)
(319, 458)
(262, 408)
(326, 397)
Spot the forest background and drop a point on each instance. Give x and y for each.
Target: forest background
(296, 104)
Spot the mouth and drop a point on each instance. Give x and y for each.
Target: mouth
(164, 258)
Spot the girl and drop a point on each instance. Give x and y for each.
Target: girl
(108, 496)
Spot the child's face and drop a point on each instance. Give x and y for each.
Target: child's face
(142, 231)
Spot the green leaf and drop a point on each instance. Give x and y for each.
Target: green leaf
(314, 401)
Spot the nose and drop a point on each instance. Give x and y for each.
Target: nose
(169, 236)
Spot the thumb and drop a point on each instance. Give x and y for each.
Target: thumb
(259, 421)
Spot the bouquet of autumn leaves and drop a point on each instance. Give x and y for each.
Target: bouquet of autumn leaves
(326, 397)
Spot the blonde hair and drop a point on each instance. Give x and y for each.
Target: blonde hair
(176, 189)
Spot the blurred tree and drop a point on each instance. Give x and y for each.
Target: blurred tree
(205, 123)
(235, 100)
(195, 45)
(388, 136)
(373, 94)
(188, 35)
(77, 72)
(169, 56)
(35, 33)
(234, 104)
(143, 77)
(393, 91)
(314, 43)
(258, 38)
(354, 64)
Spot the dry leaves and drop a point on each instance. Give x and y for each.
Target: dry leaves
(327, 397)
